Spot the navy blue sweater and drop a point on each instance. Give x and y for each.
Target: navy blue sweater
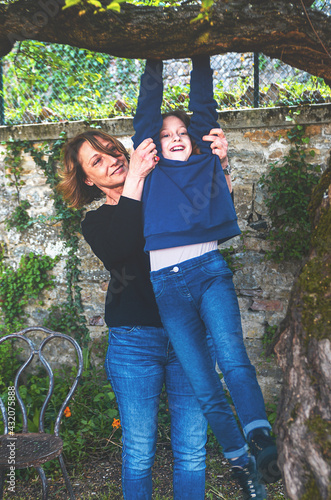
(184, 202)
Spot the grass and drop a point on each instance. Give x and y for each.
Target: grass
(100, 479)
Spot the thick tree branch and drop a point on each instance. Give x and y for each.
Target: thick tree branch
(279, 29)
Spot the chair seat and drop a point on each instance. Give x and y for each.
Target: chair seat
(28, 449)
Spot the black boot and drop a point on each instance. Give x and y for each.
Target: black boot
(263, 448)
(248, 479)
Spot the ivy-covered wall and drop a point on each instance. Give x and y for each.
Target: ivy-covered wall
(73, 299)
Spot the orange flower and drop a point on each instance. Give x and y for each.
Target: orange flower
(67, 412)
(116, 423)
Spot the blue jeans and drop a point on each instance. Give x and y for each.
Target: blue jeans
(199, 295)
(139, 361)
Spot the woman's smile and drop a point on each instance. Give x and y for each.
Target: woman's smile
(118, 170)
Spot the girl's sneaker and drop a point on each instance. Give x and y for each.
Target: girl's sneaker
(248, 479)
(263, 448)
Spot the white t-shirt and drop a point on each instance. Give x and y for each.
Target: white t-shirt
(172, 256)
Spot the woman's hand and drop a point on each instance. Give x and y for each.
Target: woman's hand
(219, 147)
(143, 160)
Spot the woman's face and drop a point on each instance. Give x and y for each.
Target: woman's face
(175, 141)
(102, 170)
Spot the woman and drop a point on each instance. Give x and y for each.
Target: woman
(140, 358)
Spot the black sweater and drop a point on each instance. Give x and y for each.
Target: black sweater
(115, 235)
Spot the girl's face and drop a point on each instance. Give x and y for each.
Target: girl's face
(175, 141)
(102, 170)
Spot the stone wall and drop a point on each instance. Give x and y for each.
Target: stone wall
(256, 138)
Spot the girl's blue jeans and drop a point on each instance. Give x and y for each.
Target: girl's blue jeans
(196, 296)
(139, 361)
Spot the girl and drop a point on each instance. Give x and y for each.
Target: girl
(187, 210)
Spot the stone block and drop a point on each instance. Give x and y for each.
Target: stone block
(276, 155)
(253, 292)
(261, 136)
(104, 286)
(253, 325)
(253, 244)
(243, 196)
(266, 305)
(96, 321)
(313, 130)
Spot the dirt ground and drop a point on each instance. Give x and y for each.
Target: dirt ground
(100, 479)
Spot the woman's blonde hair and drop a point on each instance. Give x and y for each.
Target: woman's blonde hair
(72, 186)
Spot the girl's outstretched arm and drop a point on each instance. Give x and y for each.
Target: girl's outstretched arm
(148, 121)
(202, 102)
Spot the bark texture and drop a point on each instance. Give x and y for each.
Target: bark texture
(304, 352)
(289, 31)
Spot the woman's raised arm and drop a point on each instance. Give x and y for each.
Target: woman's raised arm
(142, 162)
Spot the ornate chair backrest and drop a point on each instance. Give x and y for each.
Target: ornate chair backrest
(38, 352)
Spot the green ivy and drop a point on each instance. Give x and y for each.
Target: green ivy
(289, 187)
(13, 164)
(294, 93)
(67, 317)
(230, 257)
(20, 218)
(18, 287)
(269, 334)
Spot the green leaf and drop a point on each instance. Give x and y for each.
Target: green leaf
(199, 16)
(115, 6)
(71, 3)
(35, 419)
(111, 395)
(98, 397)
(207, 4)
(71, 81)
(95, 3)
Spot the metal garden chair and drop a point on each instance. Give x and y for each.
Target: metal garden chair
(27, 449)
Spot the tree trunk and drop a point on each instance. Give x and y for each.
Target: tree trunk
(289, 31)
(304, 353)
